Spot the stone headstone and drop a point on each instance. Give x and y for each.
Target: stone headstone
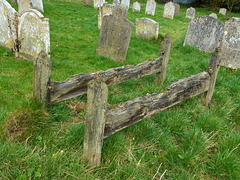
(205, 33)
(230, 55)
(223, 11)
(8, 18)
(104, 11)
(147, 28)
(24, 5)
(125, 3)
(97, 3)
(115, 35)
(214, 15)
(136, 7)
(177, 9)
(33, 34)
(169, 10)
(150, 7)
(190, 13)
(38, 5)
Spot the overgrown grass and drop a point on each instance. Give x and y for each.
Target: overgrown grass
(187, 141)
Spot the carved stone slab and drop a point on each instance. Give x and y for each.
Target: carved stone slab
(150, 7)
(223, 11)
(37, 4)
(177, 9)
(125, 3)
(33, 33)
(115, 35)
(24, 5)
(231, 44)
(8, 18)
(104, 11)
(169, 10)
(205, 33)
(190, 13)
(147, 28)
(214, 15)
(136, 7)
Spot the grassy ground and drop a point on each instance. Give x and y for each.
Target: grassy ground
(187, 141)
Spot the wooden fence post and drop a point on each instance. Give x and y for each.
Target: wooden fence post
(41, 77)
(213, 68)
(165, 52)
(97, 96)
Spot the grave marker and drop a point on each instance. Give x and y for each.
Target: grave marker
(223, 11)
(125, 3)
(24, 5)
(147, 28)
(104, 11)
(136, 7)
(169, 10)
(177, 9)
(37, 4)
(214, 15)
(190, 13)
(150, 7)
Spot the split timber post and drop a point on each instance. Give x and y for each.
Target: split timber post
(164, 52)
(213, 68)
(41, 78)
(97, 97)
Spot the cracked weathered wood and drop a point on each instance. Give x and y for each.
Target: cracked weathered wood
(164, 52)
(97, 95)
(41, 77)
(138, 109)
(213, 68)
(77, 84)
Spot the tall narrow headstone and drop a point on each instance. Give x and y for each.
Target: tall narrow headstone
(190, 13)
(150, 7)
(177, 9)
(169, 10)
(214, 15)
(8, 23)
(136, 7)
(147, 28)
(205, 33)
(115, 35)
(24, 5)
(230, 49)
(33, 34)
(223, 11)
(37, 4)
(125, 3)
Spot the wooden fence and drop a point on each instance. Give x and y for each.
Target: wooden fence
(101, 121)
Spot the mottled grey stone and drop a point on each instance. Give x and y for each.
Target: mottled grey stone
(136, 7)
(8, 17)
(24, 5)
(190, 13)
(169, 10)
(125, 3)
(104, 11)
(150, 7)
(230, 49)
(177, 9)
(223, 11)
(205, 33)
(147, 28)
(37, 4)
(115, 35)
(33, 34)
(214, 15)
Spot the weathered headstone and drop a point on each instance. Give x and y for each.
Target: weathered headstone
(205, 33)
(104, 11)
(125, 3)
(147, 28)
(37, 4)
(214, 15)
(24, 5)
(190, 13)
(8, 23)
(169, 10)
(177, 9)
(150, 7)
(87, 2)
(223, 11)
(115, 35)
(230, 49)
(136, 7)
(98, 3)
(33, 34)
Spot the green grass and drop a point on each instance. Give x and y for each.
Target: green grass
(187, 141)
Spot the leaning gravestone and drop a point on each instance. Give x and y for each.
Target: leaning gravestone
(150, 7)
(205, 33)
(115, 35)
(37, 4)
(33, 34)
(223, 11)
(125, 3)
(104, 11)
(177, 9)
(136, 7)
(24, 5)
(169, 10)
(190, 13)
(8, 18)
(214, 15)
(147, 28)
(230, 49)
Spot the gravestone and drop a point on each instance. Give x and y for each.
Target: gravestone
(37, 4)
(97, 3)
(8, 19)
(125, 3)
(150, 7)
(205, 33)
(190, 13)
(33, 34)
(223, 11)
(24, 5)
(177, 9)
(87, 2)
(115, 35)
(104, 11)
(230, 49)
(169, 10)
(214, 15)
(136, 7)
(147, 28)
